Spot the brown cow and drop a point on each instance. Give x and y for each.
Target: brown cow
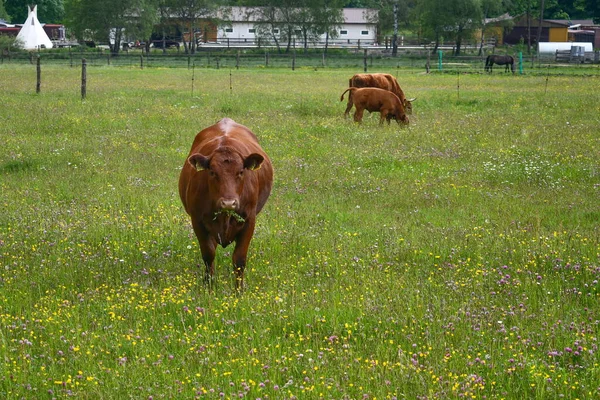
(224, 183)
(377, 100)
(382, 81)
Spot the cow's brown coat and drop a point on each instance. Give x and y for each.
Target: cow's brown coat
(381, 81)
(377, 100)
(224, 183)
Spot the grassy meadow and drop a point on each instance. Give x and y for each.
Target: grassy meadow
(456, 258)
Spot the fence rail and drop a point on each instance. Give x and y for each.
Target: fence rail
(365, 59)
(570, 56)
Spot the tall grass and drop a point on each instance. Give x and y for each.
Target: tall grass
(455, 258)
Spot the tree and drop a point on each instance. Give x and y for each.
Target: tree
(3, 14)
(48, 11)
(456, 19)
(490, 9)
(467, 17)
(328, 19)
(395, 37)
(539, 29)
(431, 16)
(593, 8)
(109, 21)
(278, 20)
(268, 26)
(187, 14)
(289, 23)
(566, 9)
(317, 17)
(306, 12)
(529, 8)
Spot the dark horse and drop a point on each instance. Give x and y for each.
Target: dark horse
(500, 60)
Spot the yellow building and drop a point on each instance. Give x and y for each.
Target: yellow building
(519, 29)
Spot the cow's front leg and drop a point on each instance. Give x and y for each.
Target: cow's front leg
(385, 115)
(208, 248)
(358, 114)
(240, 254)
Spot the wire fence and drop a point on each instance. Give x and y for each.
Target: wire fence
(367, 60)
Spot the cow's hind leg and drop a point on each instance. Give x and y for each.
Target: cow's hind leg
(349, 105)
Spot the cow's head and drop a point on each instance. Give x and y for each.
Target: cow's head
(407, 103)
(226, 172)
(400, 117)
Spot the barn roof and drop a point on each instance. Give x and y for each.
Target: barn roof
(360, 15)
(571, 22)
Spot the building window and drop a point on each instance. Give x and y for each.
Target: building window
(364, 33)
(276, 31)
(252, 30)
(343, 32)
(298, 32)
(228, 30)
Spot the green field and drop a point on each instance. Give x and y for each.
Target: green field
(456, 258)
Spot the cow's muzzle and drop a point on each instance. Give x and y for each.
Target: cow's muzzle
(228, 204)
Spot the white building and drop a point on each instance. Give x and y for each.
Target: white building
(360, 24)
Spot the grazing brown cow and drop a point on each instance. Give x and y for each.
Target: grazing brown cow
(377, 100)
(225, 182)
(382, 81)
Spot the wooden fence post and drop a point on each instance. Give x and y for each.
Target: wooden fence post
(38, 86)
(266, 58)
(294, 60)
(365, 60)
(237, 60)
(141, 62)
(83, 78)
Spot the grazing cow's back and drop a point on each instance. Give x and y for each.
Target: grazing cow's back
(224, 183)
(377, 100)
(381, 81)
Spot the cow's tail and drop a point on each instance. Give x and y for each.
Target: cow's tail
(347, 90)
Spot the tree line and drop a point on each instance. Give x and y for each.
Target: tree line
(304, 20)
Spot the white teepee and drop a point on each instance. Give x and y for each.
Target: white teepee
(32, 35)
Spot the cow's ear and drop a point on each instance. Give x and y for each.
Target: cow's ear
(253, 161)
(199, 162)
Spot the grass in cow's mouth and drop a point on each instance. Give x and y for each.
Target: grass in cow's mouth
(230, 213)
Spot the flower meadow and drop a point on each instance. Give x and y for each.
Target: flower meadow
(457, 258)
